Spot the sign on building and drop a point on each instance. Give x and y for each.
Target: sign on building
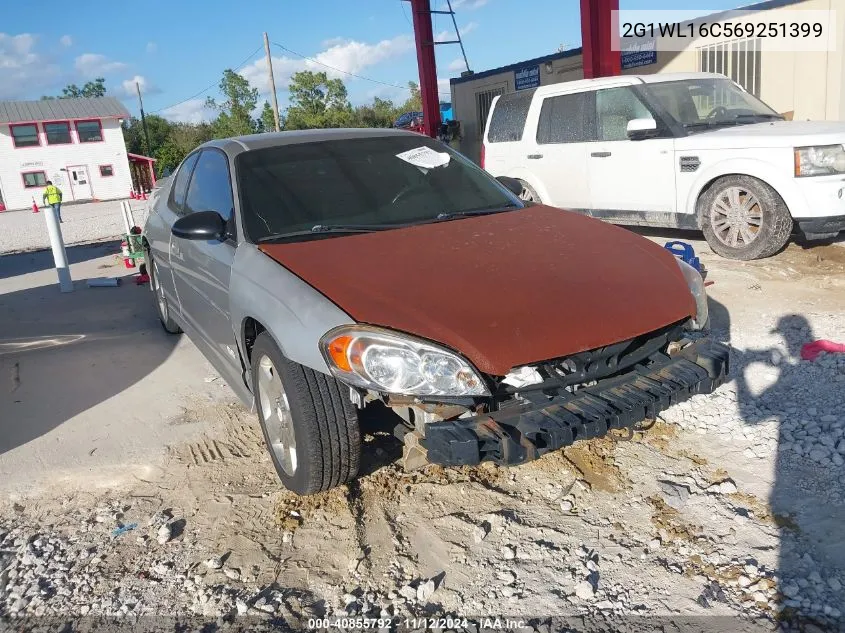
(527, 77)
(641, 52)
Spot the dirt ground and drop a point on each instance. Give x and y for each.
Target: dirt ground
(713, 511)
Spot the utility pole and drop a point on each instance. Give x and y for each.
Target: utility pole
(143, 119)
(272, 82)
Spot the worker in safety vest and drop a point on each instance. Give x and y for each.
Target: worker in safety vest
(53, 197)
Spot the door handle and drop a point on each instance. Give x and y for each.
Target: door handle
(534, 156)
(599, 154)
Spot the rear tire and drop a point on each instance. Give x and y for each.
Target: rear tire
(309, 424)
(162, 307)
(744, 218)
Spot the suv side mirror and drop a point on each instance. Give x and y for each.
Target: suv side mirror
(639, 129)
(511, 184)
(203, 225)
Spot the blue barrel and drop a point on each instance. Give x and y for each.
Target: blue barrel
(684, 252)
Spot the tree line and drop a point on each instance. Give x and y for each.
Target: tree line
(315, 102)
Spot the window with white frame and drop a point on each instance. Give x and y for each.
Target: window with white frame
(739, 60)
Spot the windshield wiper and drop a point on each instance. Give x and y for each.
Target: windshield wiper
(329, 228)
(449, 215)
(733, 121)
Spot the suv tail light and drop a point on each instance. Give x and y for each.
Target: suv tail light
(482, 155)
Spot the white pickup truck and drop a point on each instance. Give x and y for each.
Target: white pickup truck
(691, 150)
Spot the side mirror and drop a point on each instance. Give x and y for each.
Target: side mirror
(639, 129)
(511, 184)
(203, 225)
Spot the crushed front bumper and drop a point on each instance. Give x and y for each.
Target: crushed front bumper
(521, 433)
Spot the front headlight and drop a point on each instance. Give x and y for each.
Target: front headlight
(696, 286)
(392, 362)
(821, 160)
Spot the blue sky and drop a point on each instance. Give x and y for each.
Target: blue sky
(177, 50)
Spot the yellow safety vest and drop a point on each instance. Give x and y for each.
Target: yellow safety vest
(52, 194)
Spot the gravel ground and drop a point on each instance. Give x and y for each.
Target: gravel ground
(730, 506)
(86, 222)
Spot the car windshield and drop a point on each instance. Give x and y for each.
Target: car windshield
(360, 183)
(699, 104)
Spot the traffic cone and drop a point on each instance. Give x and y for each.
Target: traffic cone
(34, 206)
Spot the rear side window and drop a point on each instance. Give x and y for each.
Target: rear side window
(508, 120)
(566, 119)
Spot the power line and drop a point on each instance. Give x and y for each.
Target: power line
(237, 68)
(345, 72)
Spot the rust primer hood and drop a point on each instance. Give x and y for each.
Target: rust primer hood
(503, 290)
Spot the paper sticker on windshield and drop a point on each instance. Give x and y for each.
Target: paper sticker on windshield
(425, 158)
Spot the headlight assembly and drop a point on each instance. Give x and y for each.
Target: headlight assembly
(696, 286)
(820, 160)
(393, 362)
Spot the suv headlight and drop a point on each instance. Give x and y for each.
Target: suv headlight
(696, 286)
(392, 362)
(820, 160)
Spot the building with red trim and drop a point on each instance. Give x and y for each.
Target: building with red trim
(76, 143)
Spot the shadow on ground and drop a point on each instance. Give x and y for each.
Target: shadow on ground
(806, 499)
(61, 354)
(33, 261)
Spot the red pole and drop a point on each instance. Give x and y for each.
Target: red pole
(597, 28)
(424, 35)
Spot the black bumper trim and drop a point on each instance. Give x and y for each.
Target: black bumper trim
(522, 433)
(821, 226)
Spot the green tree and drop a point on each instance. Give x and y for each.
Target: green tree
(381, 113)
(317, 102)
(183, 138)
(414, 101)
(267, 122)
(235, 113)
(158, 128)
(96, 88)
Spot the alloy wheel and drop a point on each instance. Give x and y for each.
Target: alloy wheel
(736, 217)
(275, 411)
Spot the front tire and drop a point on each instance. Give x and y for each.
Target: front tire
(162, 307)
(744, 218)
(309, 424)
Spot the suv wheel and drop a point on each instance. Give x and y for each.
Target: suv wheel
(529, 194)
(744, 218)
(309, 424)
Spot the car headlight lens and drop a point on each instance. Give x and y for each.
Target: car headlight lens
(696, 286)
(820, 160)
(392, 362)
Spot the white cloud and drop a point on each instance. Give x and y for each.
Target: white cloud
(152, 47)
(469, 5)
(66, 40)
(347, 55)
(91, 65)
(191, 111)
(127, 87)
(457, 65)
(448, 35)
(23, 72)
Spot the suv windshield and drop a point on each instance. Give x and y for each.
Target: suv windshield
(699, 104)
(359, 183)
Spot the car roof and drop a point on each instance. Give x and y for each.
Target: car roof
(239, 144)
(623, 80)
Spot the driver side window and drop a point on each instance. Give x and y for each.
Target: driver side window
(615, 107)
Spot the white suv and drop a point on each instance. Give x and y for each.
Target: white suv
(691, 150)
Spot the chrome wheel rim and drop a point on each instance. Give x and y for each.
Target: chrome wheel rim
(736, 217)
(525, 195)
(275, 411)
(162, 302)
